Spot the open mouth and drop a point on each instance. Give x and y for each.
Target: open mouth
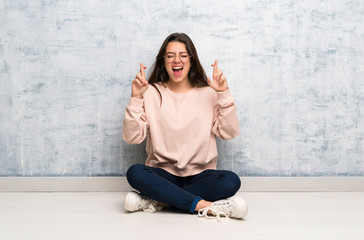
(177, 71)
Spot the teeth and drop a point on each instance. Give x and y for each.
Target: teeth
(176, 68)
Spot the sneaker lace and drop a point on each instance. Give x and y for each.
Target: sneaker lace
(216, 211)
(149, 205)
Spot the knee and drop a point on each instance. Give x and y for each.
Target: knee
(134, 173)
(237, 182)
(234, 183)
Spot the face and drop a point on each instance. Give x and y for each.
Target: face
(177, 62)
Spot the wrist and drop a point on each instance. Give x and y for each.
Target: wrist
(137, 96)
(222, 90)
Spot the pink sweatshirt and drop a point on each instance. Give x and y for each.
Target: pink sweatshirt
(181, 133)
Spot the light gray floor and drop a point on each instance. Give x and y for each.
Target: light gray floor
(101, 216)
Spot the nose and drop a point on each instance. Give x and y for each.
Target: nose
(176, 58)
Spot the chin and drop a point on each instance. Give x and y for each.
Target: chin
(178, 80)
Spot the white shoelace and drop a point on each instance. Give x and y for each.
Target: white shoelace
(150, 205)
(216, 213)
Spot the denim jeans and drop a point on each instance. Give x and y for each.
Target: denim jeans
(182, 192)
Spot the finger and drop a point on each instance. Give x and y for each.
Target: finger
(143, 81)
(215, 63)
(139, 76)
(219, 75)
(142, 69)
(223, 78)
(216, 67)
(137, 82)
(222, 81)
(215, 70)
(209, 81)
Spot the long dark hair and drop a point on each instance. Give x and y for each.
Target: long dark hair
(196, 75)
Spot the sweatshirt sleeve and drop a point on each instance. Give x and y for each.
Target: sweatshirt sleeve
(226, 123)
(135, 125)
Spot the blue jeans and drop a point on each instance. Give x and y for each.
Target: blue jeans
(182, 192)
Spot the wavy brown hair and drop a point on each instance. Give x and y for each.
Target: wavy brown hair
(196, 75)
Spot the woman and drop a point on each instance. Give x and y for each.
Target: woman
(181, 115)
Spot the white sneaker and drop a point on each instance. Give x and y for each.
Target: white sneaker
(234, 207)
(136, 202)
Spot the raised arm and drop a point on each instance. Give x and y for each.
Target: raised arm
(226, 123)
(135, 125)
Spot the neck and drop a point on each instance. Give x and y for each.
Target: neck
(179, 87)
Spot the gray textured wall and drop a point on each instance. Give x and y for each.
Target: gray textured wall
(296, 69)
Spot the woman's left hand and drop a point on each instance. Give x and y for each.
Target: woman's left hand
(219, 83)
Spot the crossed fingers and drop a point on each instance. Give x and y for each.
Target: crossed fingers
(140, 77)
(217, 73)
(219, 82)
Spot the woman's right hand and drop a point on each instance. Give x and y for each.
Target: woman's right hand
(139, 84)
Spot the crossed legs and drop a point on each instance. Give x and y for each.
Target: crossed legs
(188, 194)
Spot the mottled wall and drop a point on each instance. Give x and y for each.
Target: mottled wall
(296, 69)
